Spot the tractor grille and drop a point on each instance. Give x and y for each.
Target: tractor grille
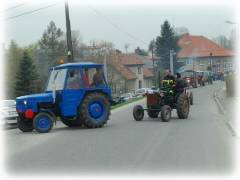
(153, 99)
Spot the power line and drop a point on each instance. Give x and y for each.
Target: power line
(29, 12)
(117, 27)
(13, 7)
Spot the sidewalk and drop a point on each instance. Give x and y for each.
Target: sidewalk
(227, 105)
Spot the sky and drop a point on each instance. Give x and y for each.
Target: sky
(120, 24)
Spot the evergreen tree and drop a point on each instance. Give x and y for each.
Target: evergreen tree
(164, 43)
(26, 78)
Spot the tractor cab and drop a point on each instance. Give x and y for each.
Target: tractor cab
(76, 92)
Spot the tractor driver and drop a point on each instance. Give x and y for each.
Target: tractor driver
(73, 80)
(168, 79)
(86, 78)
(180, 84)
(97, 78)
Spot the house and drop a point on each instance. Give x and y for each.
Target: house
(200, 54)
(126, 73)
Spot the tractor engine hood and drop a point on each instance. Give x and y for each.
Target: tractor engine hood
(31, 101)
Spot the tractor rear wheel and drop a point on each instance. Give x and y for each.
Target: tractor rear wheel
(166, 113)
(95, 110)
(25, 125)
(183, 106)
(153, 113)
(138, 113)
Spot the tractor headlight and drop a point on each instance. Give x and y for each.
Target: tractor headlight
(25, 102)
(188, 80)
(161, 94)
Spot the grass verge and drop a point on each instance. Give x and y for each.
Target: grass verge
(127, 102)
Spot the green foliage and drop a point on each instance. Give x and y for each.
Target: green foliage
(26, 77)
(12, 58)
(141, 52)
(164, 43)
(52, 43)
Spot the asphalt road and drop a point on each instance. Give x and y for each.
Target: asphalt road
(201, 144)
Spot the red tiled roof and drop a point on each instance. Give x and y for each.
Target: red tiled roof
(130, 59)
(124, 71)
(147, 73)
(199, 46)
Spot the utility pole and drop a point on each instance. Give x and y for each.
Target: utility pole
(154, 78)
(69, 36)
(211, 66)
(105, 61)
(171, 61)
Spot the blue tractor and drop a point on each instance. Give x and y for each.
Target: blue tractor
(76, 93)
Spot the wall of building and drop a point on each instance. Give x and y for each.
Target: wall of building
(140, 79)
(219, 64)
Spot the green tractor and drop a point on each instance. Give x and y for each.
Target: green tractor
(163, 102)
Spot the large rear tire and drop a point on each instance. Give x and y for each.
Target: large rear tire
(95, 110)
(25, 125)
(138, 113)
(191, 98)
(183, 106)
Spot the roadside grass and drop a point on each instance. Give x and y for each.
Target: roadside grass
(125, 103)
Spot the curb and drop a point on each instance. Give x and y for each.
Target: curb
(220, 106)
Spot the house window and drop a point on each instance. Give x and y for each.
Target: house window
(188, 61)
(140, 84)
(139, 70)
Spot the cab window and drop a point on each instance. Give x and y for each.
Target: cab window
(93, 78)
(73, 79)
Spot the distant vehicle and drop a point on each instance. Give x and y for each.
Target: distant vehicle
(142, 91)
(201, 78)
(209, 77)
(127, 96)
(8, 111)
(190, 77)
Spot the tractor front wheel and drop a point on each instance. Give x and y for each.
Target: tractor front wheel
(43, 122)
(166, 113)
(24, 125)
(95, 110)
(138, 113)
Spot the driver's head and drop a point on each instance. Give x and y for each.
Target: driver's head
(167, 72)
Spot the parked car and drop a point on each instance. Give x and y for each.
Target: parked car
(142, 91)
(127, 96)
(8, 111)
(117, 100)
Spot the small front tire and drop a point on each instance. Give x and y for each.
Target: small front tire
(166, 113)
(43, 122)
(138, 113)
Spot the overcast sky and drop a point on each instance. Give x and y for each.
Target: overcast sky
(120, 24)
